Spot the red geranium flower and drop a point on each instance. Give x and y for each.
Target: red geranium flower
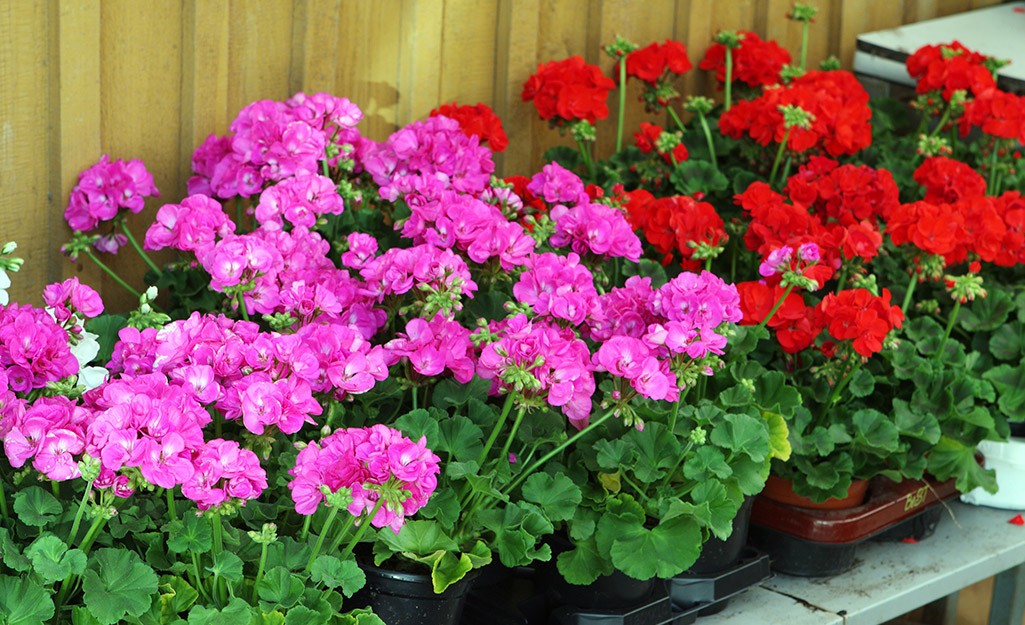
(477, 120)
(948, 68)
(648, 138)
(857, 315)
(755, 62)
(794, 322)
(568, 90)
(948, 180)
(651, 63)
(847, 193)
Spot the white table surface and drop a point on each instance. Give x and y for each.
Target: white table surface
(888, 579)
(997, 31)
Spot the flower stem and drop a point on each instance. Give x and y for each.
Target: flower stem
(729, 78)
(768, 317)
(87, 542)
(78, 515)
(139, 250)
(259, 571)
(586, 155)
(512, 434)
(839, 386)
(779, 157)
(548, 456)
(708, 139)
(991, 188)
(362, 529)
(498, 428)
(306, 528)
(950, 326)
(622, 103)
(199, 580)
(320, 540)
(414, 398)
(171, 513)
(242, 306)
(111, 273)
(910, 291)
(340, 534)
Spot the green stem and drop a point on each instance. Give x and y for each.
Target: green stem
(768, 317)
(950, 326)
(87, 543)
(842, 277)
(139, 250)
(779, 157)
(3, 501)
(676, 412)
(306, 528)
(414, 398)
(78, 515)
(910, 291)
(220, 588)
(362, 530)
(218, 541)
(991, 183)
(943, 120)
(675, 117)
(586, 155)
(512, 434)
(804, 44)
(324, 169)
(55, 487)
(259, 570)
(839, 386)
(498, 428)
(323, 534)
(622, 103)
(708, 138)
(199, 579)
(640, 493)
(679, 460)
(729, 77)
(548, 456)
(111, 273)
(171, 513)
(242, 306)
(340, 534)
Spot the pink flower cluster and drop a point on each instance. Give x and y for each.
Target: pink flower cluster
(558, 185)
(635, 360)
(434, 275)
(540, 359)
(51, 432)
(223, 471)
(449, 219)
(694, 306)
(598, 229)
(375, 462)
(435, 148)
(106, 188)
(433, 346)
(272, 141)
(70, 297)
(192, 226)
(299, 200)
(561, 287)
(33, 348)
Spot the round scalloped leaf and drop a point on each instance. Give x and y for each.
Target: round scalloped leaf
(23, 602)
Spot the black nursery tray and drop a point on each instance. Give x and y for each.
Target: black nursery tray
(710, 593)
(810, 542)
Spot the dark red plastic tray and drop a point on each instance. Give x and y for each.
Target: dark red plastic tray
(888, 503)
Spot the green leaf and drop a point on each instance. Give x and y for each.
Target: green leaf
(418, 537)
(862, 383)
(237, 612)
(668, 549)
(301, 615)
(12, 555)
(449, 569)
(689, 177)
(647, 269)
(657, 449)
(614, 454)
(362, 616)
(116, 584)
(449, 393)
(417, 423)
(443, 506)
(987, 313)
(36, 507)
(706, 463)
(557, 496)
(279, 588)
(717, 509)
(460, 437)
(1009, 383)
(106, 328)
(951, 458)
(52, 560)
(779, 443)
(228, 566)
(176, 595)
(517, 528)
(288, 553)
(920, 425)
(192, 534)
(583, 564)
(741, 433)
(335, 573)
(24, 602)
(1008, 342)
(774, 394)
(874, 432)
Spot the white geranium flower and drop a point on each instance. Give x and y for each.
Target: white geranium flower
(5, 283)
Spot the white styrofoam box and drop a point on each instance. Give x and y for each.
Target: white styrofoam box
(1008, 460)
(997, 31)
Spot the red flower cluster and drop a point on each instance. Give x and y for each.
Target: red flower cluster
(647, 140)
(532, 204)
(678, 223)
(650, 64)
(997, 113)
(949, 68)
(956, 218)
(845, 193)
(856, 314)
(836, 100)
(794, 322)
(569, 90)
(477, 120)
(755, 62)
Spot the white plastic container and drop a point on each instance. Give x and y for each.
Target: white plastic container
(1008, 460)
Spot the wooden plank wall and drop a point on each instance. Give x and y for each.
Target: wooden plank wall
(151, 79)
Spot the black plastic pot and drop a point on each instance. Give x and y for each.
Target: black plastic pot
(718, 555)
(409, 598)
(710, 593)
(614, 591)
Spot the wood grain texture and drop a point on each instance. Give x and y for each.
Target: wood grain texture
(367, 67)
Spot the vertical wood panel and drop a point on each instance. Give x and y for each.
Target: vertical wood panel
(862, 16)
(516, 59)
(204, 76)
(367, 67)
(788, 32)
(75, 99)
(24, 168)
(467, 52)
(419, 57)
(259, 52)
(140, 99)
(314, 45)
